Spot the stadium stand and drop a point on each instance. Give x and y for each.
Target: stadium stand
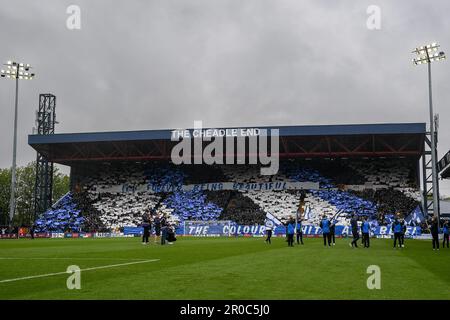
(115, 176)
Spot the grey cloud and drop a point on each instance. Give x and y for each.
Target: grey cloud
(163, 64)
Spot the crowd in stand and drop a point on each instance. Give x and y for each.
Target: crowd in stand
(242, 210)
(92, 221)
(389, 201)
(342, 173)
(197, 174)
(65, 216)
(192, 205)
(111, 198)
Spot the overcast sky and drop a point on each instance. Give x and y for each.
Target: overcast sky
(163, 64)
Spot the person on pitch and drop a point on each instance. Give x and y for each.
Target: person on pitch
(404, 228)
(290, 228)
(146, 224)
(171, 236)
(298, 223)
(397, 229)
(355, 233)
(325, 226)
(269, 230)
(333, 232)
(365, 230)
(299, 231)
(434, 229)
(446, 231)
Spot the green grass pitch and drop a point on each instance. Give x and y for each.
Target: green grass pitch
(221, 268)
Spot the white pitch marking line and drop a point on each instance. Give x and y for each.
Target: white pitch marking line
(65, 258)
(87, 269)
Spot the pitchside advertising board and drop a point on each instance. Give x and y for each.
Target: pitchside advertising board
(217, 229)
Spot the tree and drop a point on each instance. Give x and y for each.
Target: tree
(5, 193)
(26, 177)
(61, 184)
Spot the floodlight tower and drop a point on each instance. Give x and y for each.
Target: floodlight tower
(426, 55)
(17, 71)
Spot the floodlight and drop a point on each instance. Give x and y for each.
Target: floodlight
(427, 55)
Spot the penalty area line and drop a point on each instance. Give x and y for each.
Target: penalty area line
(81, 270)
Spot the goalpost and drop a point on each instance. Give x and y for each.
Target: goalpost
(216, 228)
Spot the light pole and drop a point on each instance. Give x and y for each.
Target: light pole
(17, 71)
(426, 55)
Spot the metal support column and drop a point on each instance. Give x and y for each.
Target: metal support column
(45, 121)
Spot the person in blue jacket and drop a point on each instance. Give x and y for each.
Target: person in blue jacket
(365, 230)
(446, 230)
(404, 228)
(325, 226)
(290, 228)
(397, 229)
